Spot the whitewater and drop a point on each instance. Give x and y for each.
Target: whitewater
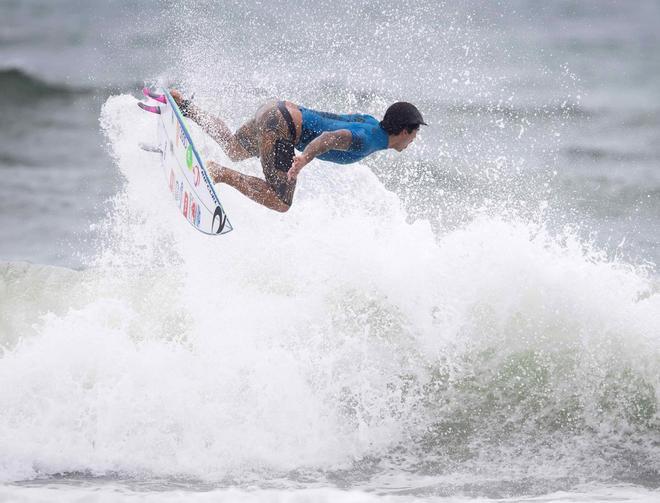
(448, 324)
(336, 344)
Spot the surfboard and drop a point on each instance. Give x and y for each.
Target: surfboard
(185, 172)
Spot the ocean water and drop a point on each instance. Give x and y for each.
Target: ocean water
(475, 319)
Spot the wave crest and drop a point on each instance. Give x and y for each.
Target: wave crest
(19, 85)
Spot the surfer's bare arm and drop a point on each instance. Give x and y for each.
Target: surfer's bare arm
(330, 140)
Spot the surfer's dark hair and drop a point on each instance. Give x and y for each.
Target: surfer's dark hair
(401, 115)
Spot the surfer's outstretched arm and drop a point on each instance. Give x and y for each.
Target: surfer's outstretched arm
(330, 140)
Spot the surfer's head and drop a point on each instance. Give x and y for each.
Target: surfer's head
(401, 122)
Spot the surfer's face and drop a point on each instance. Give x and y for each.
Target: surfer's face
(403, 139)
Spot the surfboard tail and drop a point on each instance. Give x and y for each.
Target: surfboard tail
(148, 147)
(187, 179)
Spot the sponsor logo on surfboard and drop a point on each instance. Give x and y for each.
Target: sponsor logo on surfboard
(189, 157)
(211, 192)
(196, 175)
(219, 220)
(185, 175)
(179, 191)
(182, 138)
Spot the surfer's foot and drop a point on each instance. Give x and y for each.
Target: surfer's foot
(216, 171)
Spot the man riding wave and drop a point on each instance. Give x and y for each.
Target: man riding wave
(281, 127)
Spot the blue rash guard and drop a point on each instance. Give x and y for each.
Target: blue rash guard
(368, 136)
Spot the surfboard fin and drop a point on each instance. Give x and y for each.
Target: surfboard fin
(150, 94)
(148, 147)
(149, 108)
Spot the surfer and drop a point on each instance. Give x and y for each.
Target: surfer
(280, 127)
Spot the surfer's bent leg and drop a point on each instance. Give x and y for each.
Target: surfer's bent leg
(245, 143)
(266, 136)
(255, 188)
(276, 150)
(238, 147)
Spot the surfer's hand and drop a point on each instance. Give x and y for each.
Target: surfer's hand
(299, 162)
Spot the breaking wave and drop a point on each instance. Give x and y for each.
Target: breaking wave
(337, 342)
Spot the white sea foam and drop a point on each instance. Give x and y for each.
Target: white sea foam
(309, 340)
(113, 493)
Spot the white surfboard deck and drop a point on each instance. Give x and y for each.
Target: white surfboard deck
(185, 172)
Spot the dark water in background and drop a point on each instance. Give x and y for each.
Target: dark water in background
(517, 358)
